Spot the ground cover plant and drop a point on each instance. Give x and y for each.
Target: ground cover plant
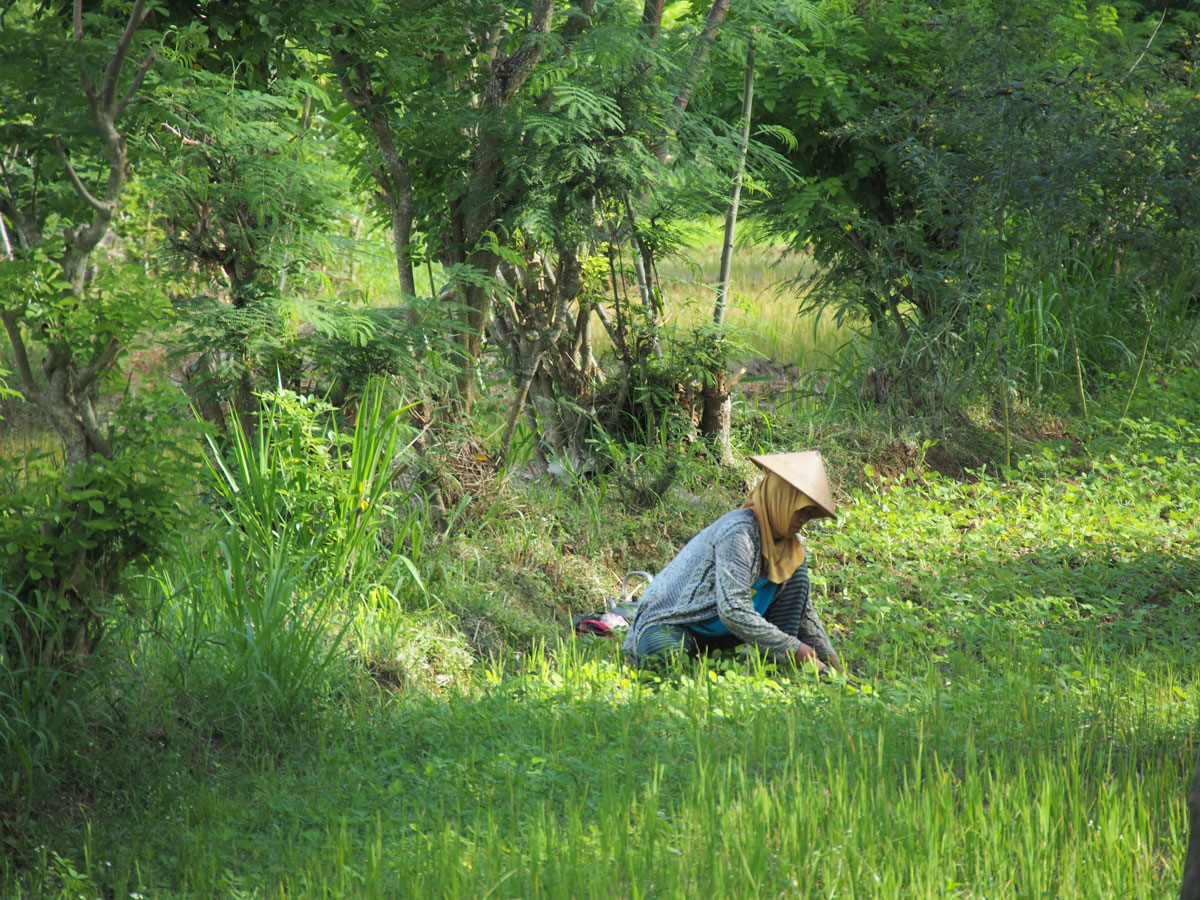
(1021, 723)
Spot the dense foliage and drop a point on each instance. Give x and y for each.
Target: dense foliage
(1006, 194)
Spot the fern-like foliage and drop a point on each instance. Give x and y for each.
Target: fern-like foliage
(243, 187)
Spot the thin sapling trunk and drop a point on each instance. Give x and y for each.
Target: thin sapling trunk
(716, 413)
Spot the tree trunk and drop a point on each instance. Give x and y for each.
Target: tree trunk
(61, 622)
(481, 205)
(708, 35)
(735, 190)
(392, 175)
(69, 396)
(717, 412)
(652, 16)
(716, 415)
(563, 290)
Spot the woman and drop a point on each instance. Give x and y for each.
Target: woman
(743, 579)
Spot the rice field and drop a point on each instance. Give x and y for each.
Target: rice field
(576, 781)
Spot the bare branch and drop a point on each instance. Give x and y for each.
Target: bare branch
(100, 206)
(77, 20)
(108, 92)
(21, 357)
(91, 428)
(1153, 35)
(602, 315)
(5, 243)
(95, 368)
(186, 141)
(137, 83)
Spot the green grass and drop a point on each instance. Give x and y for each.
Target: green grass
(573, 780)
(1023, 723)
(765, 292)
(30, 440)
(764, 302)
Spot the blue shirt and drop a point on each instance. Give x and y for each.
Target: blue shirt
(764, 593)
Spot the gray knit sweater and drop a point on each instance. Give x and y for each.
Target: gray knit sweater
(712, 576)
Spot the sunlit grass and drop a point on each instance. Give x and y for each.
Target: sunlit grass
(763, 311)
(765, 285)
(25, 440)
(1022, 722)
(18, 441)
(1022, 725)
(573, 780)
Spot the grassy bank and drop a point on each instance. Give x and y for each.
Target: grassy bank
(1023, 722)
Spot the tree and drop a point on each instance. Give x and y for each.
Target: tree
(38, 134)
(994, 191)
(71, 528)
(245, 196)
(715, 417)
(555, 128)
(383, 69)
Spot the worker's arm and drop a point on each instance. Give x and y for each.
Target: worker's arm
(736, 561)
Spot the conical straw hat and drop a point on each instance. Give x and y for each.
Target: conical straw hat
(804, 471)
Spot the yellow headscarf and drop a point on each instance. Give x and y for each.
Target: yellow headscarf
(774, 502)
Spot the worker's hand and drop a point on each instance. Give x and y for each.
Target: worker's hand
(835, 662)
(807, 656)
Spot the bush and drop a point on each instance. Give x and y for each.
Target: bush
(313, 528)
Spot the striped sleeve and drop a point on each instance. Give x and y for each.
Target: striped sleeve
(734, 575)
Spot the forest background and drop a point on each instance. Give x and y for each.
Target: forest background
(352, 348)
